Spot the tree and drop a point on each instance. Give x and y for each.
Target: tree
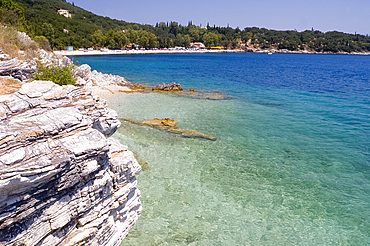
(115, 39)
(174, 28)
(11, 13)
(146, 39)
(98, 38)
(211, 39)
(183, 40)
(43, 42)
(195, 33)
(47, 30)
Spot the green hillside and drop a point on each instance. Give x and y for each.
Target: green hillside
(43, 20)
(86, 29)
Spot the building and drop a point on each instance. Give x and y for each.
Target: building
(198, 45)
(65, 13)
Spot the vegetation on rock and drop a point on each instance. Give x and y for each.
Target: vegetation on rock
(11, 42)
(59, 75)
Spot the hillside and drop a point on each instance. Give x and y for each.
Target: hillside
(86, 29)
(43, 20)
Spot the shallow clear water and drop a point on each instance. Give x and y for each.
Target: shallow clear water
(291, 163)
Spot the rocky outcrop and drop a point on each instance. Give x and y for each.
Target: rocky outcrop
(88, 78)
(170, 125)
(9, 85)
(21, 70)
(3, 56)
(63, 179)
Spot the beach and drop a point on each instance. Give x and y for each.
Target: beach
(85, 52)
(141, 52)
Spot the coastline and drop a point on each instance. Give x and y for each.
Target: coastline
(138, 52)
(76, 182)
(174, 51)
(99, 83)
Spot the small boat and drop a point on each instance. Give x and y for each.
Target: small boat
(270, 53)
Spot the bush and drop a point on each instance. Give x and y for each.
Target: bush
(12, 41)
(11, 13)
(8, 40)
(43, 42)
(59, 75)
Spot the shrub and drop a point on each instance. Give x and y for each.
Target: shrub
(8, 38)
(59, 75)
(43, 42)
(12, 41)
(11, 13)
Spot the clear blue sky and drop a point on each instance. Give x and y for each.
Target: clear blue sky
(325, 15)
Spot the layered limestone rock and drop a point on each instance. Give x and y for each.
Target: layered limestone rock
(88, 78)
(18, 69)
(9, 85)
(63, 179)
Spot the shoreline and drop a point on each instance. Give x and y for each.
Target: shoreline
(174, 51)
(139, 52)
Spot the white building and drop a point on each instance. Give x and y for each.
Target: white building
(198, 45)
(65, 13)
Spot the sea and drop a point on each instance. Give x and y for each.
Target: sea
(291, 163)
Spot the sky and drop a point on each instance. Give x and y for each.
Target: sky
(347, 16)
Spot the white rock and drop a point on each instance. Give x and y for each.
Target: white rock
(62, 180)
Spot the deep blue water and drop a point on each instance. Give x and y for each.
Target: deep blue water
(291, 164)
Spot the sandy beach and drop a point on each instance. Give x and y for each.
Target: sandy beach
(181, 51)
(139, 52)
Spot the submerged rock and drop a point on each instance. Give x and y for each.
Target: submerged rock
(168, 87)
(203, 95)
(63, 180)
(176, 89)
(160, 122)
(170, 125)
(143, 164)
(190, 133)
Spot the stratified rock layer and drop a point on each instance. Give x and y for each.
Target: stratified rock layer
(63, 180)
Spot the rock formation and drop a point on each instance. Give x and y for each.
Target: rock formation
(17, 69)
(23, 69)
(88, 78)
(63, 180)
(170, 125)
(203, 95)
(168, 87)
(9, 85)
(176, 89)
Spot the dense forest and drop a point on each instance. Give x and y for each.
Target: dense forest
(40, 20)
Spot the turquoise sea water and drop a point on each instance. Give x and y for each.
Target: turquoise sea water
(291, 164)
